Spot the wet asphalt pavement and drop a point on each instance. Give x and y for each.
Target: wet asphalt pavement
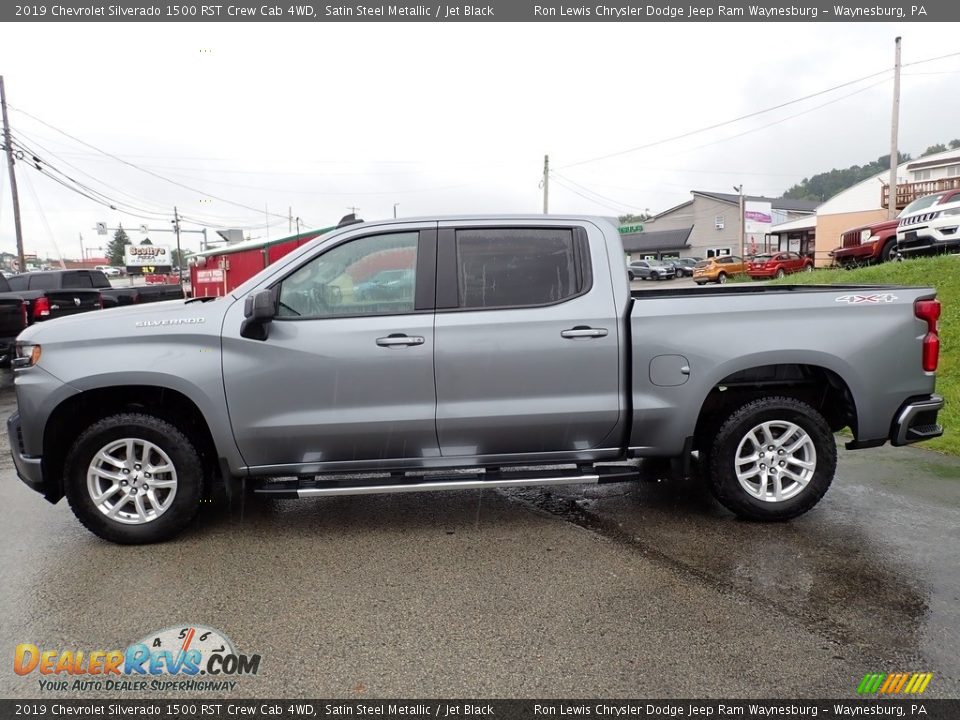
(628, 590)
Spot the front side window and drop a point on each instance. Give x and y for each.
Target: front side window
(374, 275)
(514, 267)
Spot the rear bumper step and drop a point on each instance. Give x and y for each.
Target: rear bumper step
(320, 486)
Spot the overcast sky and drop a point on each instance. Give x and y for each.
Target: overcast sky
(444, 118)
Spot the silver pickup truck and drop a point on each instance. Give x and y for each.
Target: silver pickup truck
(466, 352)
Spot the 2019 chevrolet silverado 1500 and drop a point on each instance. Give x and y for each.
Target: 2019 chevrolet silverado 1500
(515, 343)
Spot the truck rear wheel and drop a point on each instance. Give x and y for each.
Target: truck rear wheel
(133, 478)
(772, 459)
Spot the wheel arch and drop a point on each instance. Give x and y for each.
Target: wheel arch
(819, 385)
(77, 412)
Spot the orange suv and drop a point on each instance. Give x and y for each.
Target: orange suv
(718, 269)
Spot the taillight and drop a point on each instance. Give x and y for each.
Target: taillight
(41, 308)
(929, 312)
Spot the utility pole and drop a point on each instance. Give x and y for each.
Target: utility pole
(298, 224)
(546, 184)
(743, 227)
(176, 228)
(82, 256)
(8, 144)
(395, 210)
(289, 219)
(894, 128)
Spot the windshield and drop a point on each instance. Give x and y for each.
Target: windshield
(920, 204)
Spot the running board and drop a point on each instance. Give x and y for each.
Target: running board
(294, 489)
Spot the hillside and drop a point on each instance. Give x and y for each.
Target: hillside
(943, 273)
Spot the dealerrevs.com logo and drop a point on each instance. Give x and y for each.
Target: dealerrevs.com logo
(187, 657)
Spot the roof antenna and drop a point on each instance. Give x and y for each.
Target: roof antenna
(350, 219)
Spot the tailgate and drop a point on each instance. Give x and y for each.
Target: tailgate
(12, 318)
(71, 302)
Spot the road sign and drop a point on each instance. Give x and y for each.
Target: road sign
(101, 228)
(143, 229)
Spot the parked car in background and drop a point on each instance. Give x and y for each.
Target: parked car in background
(47, 298)
(877, 242)
(84, 290)
(932, 227)
(649, 270)
(867, 245)
(683, 266)
(776, 265)
(13, 320)
(386, 285)
(112, 272)
(718, 269)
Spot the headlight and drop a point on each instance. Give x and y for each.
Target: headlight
(28, 355)
(865, 236)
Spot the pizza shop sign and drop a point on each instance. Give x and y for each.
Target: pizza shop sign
(147, 258)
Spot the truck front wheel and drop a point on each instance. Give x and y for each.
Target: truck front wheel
(773, 459)
(889, 251)
(133, 478)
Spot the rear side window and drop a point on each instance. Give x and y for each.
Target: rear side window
(517, 267)
(77, 280)
(43, 281)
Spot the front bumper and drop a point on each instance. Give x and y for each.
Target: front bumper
(917, 421)
(928, 237)
(28, 468)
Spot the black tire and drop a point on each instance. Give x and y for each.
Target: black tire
(182, 454)
(889, 252)
(780, 273)
(725, 486)
(630, 276)
(808, 268)
(721, 278)
(698, 282)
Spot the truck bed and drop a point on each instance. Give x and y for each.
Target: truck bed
(684, 348)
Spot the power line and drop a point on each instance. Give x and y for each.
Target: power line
(555, 175)
(752, 130)
(931, 59)
(141, 169)
(101, 198)
(725, 122)
(585, 197)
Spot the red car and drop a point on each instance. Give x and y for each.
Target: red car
(778, 265)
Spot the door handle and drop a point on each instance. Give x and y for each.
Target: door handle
(400, 340)
(583, 332)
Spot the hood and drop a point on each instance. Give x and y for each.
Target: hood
(131, 320)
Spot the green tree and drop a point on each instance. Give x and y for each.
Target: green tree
(938, 148)
(146, 241)
(954, 144)
(115, 247)
(631, 219)
(825, 185)
(180, 257)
